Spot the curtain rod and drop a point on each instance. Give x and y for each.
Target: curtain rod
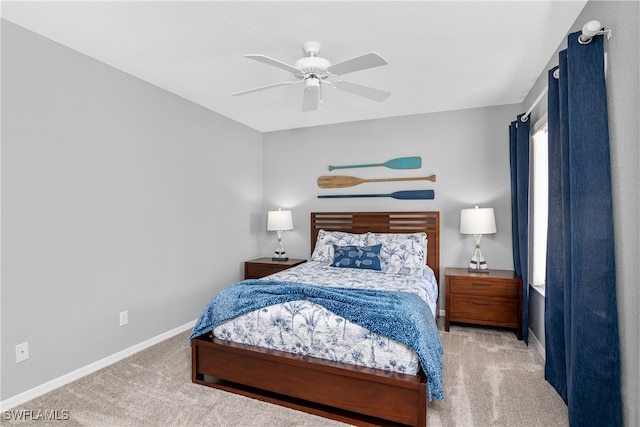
(589, 30)
(525, 116)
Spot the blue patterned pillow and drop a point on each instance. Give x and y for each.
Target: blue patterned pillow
(366, 257)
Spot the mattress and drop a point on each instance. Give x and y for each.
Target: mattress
(309, 329)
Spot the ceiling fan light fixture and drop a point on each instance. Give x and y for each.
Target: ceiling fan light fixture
(312, 81)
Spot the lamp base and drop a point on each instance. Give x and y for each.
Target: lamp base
(279, 254)
(478, 263)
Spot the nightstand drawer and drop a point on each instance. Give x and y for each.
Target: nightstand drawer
(479, 286)
(256, 271)
(261, 267)
(494, 310)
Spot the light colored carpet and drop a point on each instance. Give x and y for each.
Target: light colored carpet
(491, 379)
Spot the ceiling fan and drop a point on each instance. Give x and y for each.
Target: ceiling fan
(315, 71)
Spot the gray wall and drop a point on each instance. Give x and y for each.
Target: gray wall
(113, 192)
(467, 150)
(116, 195)
(622, 17)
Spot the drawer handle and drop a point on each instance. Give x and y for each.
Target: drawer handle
(482, 303)
(481, 284)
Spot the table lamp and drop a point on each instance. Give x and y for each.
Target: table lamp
(279, 221)
(477, 221)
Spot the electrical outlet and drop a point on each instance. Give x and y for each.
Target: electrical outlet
(22, 352)
(124, 318)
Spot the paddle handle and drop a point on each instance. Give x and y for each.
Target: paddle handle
(369, 165)
(431, 178)
(344, 196)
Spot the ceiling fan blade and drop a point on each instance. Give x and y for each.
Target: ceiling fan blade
(310, 98)
(274, 62)
(369, 60)
(255, 89)
(366, 91)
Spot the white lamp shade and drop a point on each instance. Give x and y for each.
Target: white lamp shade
(477, 221)
(279, 221)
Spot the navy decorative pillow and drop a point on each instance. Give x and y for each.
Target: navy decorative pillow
(366, 257)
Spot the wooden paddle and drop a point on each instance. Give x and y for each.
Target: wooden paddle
(402, 195)
(342, 181)
(399, 163)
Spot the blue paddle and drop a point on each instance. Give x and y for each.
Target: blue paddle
(401, 195)
(399, 163)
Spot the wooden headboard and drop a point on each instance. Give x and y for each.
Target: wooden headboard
(384, 222)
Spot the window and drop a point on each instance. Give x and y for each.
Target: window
(539, 206)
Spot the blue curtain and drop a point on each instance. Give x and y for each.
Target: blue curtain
(519, 162)
(581, 320)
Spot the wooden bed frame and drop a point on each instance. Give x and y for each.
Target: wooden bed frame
(347, 393)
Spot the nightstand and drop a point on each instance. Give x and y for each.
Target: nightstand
(493, 298)
(261, 267)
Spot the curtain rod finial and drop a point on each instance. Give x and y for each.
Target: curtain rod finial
(592, 29)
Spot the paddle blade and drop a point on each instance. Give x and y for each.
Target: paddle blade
(255, 89)
(364, 91)
(338, 181)
(414, 195)
(274, 62)
(369, 60)
(404, 163)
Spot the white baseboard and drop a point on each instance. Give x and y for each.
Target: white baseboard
(89, 369)
(535, 342)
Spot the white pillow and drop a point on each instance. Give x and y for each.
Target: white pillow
(323, 250)
(402, 253)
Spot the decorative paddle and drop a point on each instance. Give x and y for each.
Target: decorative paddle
(399, 163)
(401, 195)
(342, 181)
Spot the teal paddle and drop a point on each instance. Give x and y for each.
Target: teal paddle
(401, 195)
(399, 163)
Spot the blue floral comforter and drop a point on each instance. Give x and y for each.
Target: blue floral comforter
(400, 316)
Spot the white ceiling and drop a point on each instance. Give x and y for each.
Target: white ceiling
(442, 55)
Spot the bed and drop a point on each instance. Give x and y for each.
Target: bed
(332, 388)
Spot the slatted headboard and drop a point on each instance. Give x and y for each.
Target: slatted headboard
(384, 222)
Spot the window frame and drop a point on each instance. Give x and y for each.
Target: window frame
(539, 198)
